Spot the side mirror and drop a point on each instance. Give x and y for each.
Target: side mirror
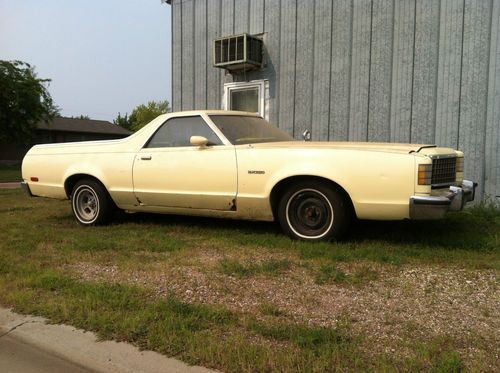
(198, 141)
(306, 135)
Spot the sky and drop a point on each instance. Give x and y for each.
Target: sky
(104, 57)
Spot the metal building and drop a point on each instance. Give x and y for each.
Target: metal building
(421, 71)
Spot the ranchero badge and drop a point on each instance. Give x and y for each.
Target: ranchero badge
(256, 172)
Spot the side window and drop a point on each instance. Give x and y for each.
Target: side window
(178, 131)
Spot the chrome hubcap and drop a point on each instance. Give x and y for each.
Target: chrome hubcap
(86, 204)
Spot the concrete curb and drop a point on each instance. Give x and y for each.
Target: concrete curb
(10, 185)
(83, 349)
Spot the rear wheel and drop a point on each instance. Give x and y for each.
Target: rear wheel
(313, 211)
(91, 203)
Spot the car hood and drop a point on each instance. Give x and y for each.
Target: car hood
(363, 146)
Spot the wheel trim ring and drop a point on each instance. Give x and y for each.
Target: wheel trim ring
(76, 199)
(290, 225)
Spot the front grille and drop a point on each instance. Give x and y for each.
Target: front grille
(443, 171)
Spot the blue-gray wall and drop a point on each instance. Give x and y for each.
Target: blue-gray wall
(422, 71)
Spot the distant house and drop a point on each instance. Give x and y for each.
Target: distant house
(64, 130)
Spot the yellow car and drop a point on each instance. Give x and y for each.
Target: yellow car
(233, 164)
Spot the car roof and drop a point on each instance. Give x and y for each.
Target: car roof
(211, 112)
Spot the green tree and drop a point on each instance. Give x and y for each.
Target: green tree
(24, 101)
(81, 116)
(125, 121)
(142, 115)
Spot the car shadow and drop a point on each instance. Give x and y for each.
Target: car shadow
(458, 231)
(242, 226)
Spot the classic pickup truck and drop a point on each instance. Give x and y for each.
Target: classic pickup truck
(236, 165)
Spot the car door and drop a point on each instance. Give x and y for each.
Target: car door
(170, 172)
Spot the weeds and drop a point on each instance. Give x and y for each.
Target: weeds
(232, 267)
(329, 273)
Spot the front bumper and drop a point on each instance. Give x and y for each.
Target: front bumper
(436, 207)
(26, 188)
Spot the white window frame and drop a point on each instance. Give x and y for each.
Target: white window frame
(263, 89)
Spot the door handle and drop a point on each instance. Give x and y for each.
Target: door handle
(146, 158)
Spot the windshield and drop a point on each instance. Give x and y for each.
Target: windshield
(248, 130)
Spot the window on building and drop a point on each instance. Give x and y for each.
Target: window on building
(246, 99)
(246, 96)
(178, 131)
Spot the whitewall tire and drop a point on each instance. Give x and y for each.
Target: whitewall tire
(313, 211)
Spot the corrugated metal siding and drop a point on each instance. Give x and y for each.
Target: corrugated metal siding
(492, 153)
(360, 70)
(402, 70)
(187, 58)
(377, 70)
(213, 75)
(176, 56)
(200, 55)
(321, 69)
(379, 108)
(425, 62)
(304, 63)
(449, 72)
(340, 71)
(287, 71)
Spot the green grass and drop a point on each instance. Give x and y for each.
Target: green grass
(303, 336)
(470, 238)
(233, 267)
(39, 239)
(10, 173)
(267, 309)
(329, 273)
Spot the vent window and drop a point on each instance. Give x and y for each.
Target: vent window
(238, 52)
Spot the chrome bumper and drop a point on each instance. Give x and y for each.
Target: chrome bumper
(26, 188)
(436, 207)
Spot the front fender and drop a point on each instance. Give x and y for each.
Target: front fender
(378, 183)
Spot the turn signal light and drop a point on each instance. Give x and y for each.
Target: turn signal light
(460, 164)
(424, 174)
(34, 178)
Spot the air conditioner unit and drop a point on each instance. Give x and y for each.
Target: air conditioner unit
(238, 53)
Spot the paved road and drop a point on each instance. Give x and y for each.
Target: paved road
(10, 185)
(19, 357)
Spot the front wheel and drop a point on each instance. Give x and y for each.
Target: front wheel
(313, 211)
(91, 203)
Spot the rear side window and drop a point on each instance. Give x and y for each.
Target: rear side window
(178, 131)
